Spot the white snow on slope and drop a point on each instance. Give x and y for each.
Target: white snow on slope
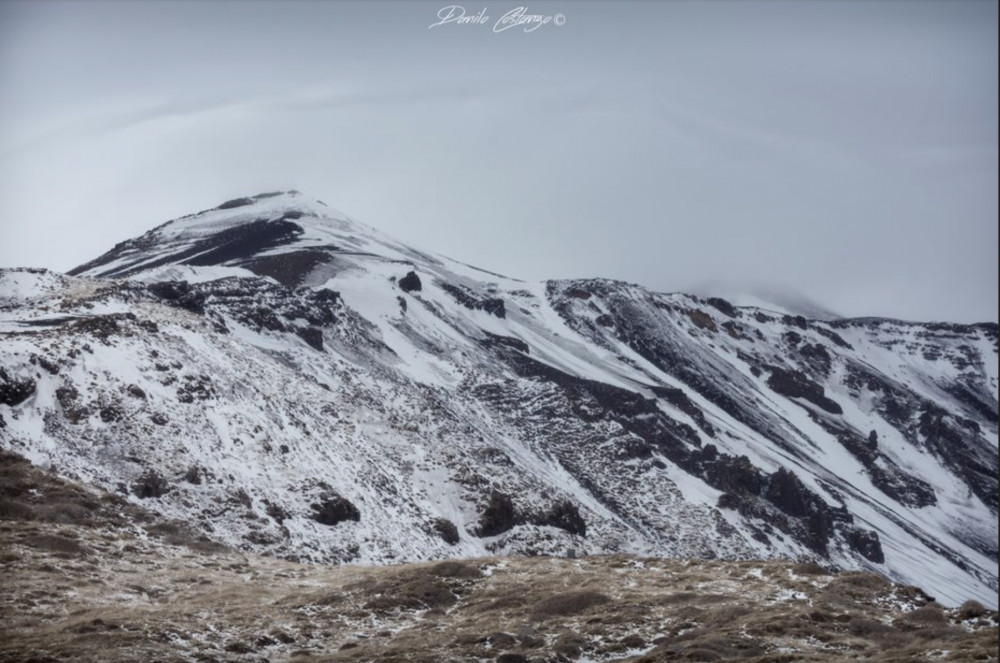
(414, 411)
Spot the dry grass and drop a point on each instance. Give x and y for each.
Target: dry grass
(60, 545)
(172, 603)
(569, 603)
(95, 590)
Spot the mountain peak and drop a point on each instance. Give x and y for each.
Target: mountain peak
(277, 200)
(269, 206)
(238, 235)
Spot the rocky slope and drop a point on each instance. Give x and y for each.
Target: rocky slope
(295, 383)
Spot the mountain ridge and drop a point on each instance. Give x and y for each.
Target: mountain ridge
(375, 416)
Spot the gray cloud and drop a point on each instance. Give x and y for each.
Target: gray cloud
(844, 150)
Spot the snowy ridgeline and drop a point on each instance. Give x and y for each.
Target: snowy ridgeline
(294, 382)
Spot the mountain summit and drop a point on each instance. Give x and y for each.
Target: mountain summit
(252, 233)
(291, 381)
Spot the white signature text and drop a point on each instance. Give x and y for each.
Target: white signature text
(519, 17)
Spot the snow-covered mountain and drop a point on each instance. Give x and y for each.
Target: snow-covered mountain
(294, 382)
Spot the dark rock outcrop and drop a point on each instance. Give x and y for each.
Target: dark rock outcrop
(680, 400)
(312, 336)
(333, 509)
(702, 320)
(566, 516)
(495, 340)
(796, 320)
(867, 543)
(447, 531)
(786, 492)
(724, 306)
(410, 283)
(14, 390)
(180, 294)
(235, 202)
(498, 517)
(150, 485)
(795, 384)
(290, 268)
(818, 357)
(466, 298)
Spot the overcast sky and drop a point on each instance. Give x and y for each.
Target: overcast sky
(844, 150)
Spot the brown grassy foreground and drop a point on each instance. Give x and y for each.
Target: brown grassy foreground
(82, 582)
